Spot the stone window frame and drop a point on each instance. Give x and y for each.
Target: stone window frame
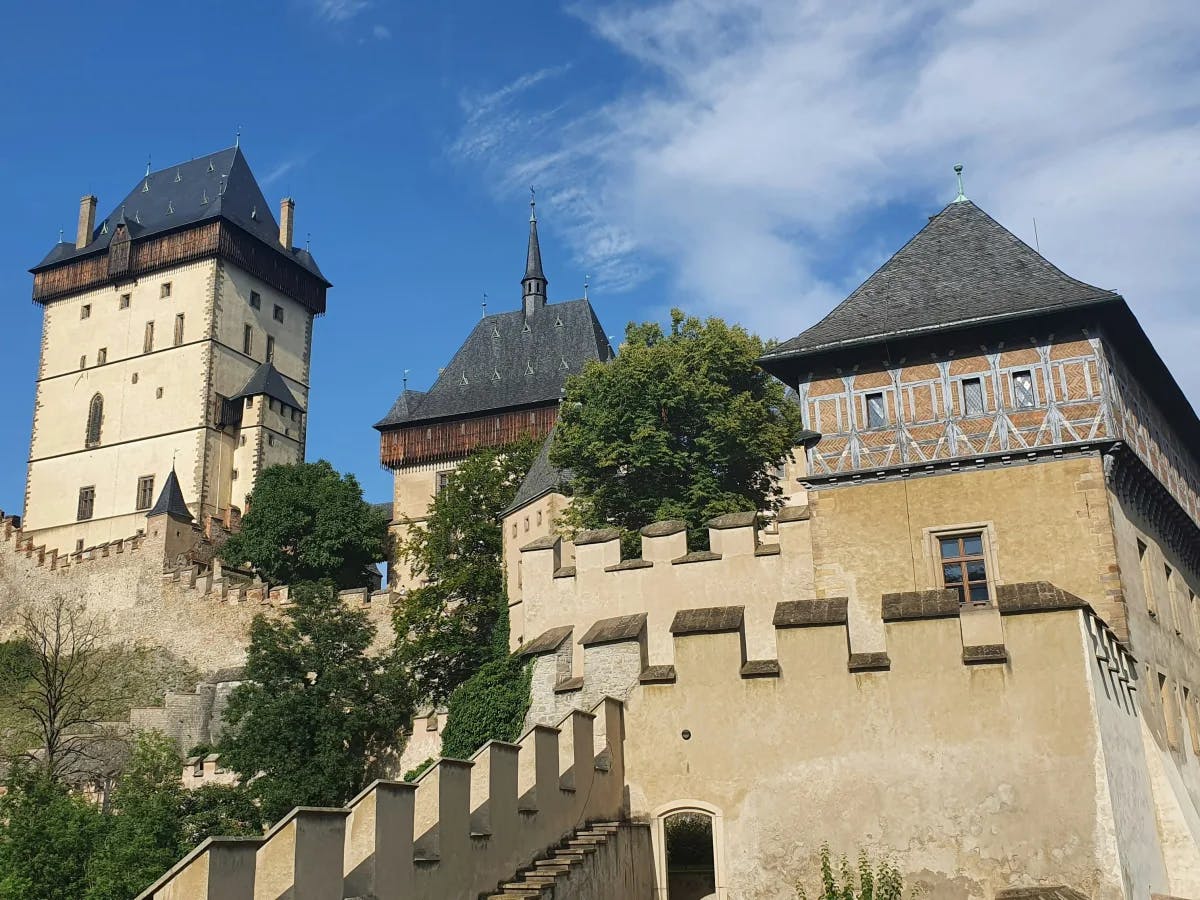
(1168, 702)
(87, 504)
(932, 548)
(179, 326)
(1146, 568)
(658, 839)
(125, 301)
(145, 493)
(164, 290)
(1190, 715)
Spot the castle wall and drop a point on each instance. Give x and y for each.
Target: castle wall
(413, 489)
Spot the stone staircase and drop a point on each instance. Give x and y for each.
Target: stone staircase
(587, 856)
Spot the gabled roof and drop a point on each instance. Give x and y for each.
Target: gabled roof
(170, 500)
(963, 268)
(541, 479)
(267, 380)
(509, 360)
(217, 186)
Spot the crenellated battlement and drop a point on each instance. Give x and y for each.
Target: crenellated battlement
(497, 810)
(926, 632)
(54, 559)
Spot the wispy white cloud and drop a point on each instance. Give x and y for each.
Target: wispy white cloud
(754, 158)
(381, 32)
(337, 10)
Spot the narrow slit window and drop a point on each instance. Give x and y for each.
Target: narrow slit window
(972, 397)
(247, 340)
(148, 340)
(179, 329)
(95, 421)
(1023, 394)
(270, 348)
(876, 411)
(101, 356)
(964, 567)
(278, 313)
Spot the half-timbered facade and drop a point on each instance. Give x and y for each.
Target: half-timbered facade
(505, 382)
(176, 331)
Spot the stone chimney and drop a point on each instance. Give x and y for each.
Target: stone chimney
(287, 216)
(87, 221)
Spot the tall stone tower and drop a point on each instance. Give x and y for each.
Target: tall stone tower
(176, 334)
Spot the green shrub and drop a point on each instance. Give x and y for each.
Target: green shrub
(418, 770)
(490, 705)
(883, 882)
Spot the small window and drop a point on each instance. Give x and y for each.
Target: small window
(247, 340)
(125, 300)
(249, 403)
(270, 348)
(539, 517)
(514, 529)
(972, 389)
(148, 340)
(145, 492)
(83, 361)
(1023, 395)
(876, 411)
(527, 523)
(134, 378)
(1189, 710)
(278, 314)
(270, 440)
(1147, 579)
(964, 567)
(1170, 710)
(101, 356)
(85, 311)
(255, 300)
(158, 393)
(179, 329)
(242, 440)
(79, 546)
(87, 504)
(443, 480)
(164, 290)
(235, 474)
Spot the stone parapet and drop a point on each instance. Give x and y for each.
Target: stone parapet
(458, 831)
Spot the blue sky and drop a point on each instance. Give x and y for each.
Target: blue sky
(754, 160)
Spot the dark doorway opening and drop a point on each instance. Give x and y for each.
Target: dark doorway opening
(691, 869)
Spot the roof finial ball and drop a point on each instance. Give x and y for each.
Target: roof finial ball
(961, 198)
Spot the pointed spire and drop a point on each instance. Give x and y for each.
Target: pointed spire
(533, 285)
(170, 500)
(961, 198)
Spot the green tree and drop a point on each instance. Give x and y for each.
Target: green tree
(318, 717)
(490, 705)
(144, 834)
(218, 809)
(46, 837)
(308, 523)
(457, 621)
(682, 424)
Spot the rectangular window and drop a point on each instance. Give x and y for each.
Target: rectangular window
(164, 290)
(278, 314)
(87, 503)
(145, 492)
(85, 311)
(79, 546)
(179, 329)
(1023, 396)
(876, 411)
(125, 299)
(972, 389)
(148, 340)
(247, 340)
(83, 361)
(964, 567)
(1170, 710)
(1173, 599)
(242, 440)
(1189, 710)
(1147, 579)
(255, 300)
(270, 348)
(443, 479)
(270, 440)
(101, 356)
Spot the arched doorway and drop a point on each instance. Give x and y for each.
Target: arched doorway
(688, 852)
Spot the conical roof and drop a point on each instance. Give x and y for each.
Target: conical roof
(170, 500)
(267, 380)
(533, 255)
(963, 268)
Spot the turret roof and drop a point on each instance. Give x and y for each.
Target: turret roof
(267, 380)
(170, 500)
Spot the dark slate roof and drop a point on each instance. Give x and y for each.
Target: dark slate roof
(963, 268)
(217, 186)
(509, 361)
(267, 380)
(541, 479)
(170, 500)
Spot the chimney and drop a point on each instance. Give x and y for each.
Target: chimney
(287, 213)
(87, 221)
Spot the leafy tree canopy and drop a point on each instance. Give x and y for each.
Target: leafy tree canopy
(318, 716)
(682, 424)
(457, 620)
(46, 837)
(488, 706)
(308, 523)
